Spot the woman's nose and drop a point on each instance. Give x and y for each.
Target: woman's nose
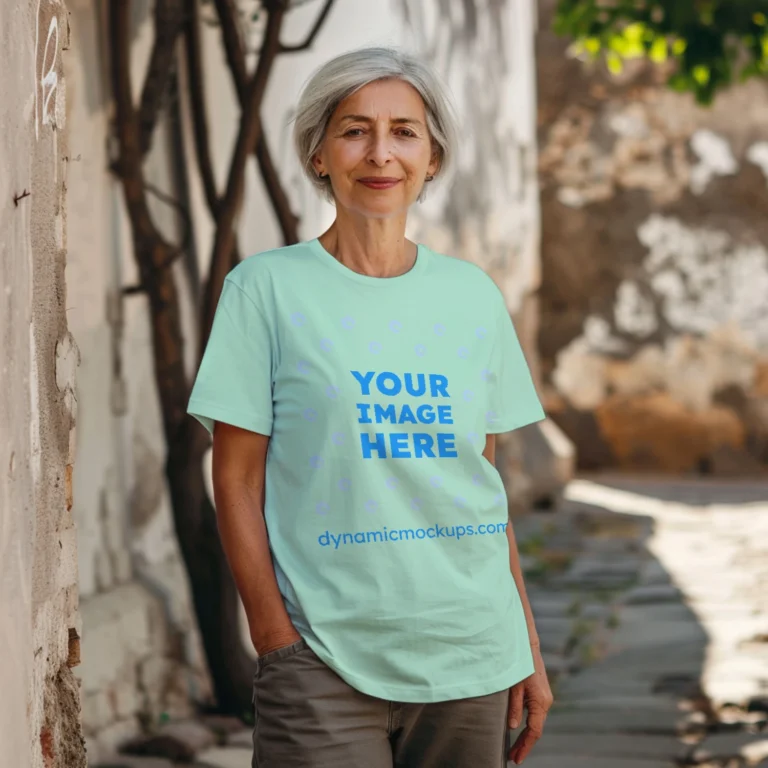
(380, 149)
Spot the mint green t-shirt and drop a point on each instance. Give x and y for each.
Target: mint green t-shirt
(386, 523)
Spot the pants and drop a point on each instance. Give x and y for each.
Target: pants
(308, 717)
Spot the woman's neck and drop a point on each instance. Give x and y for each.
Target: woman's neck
(377, 248)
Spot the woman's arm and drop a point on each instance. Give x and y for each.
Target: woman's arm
(514, 558)
(239, 464)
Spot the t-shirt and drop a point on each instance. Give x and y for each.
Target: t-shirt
(386, 523)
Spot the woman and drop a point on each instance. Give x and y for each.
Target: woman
(354, 385)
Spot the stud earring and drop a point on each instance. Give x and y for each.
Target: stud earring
(429, 178)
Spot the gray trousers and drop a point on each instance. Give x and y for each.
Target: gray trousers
(308, 717)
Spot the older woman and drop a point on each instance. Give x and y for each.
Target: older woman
(354, 385)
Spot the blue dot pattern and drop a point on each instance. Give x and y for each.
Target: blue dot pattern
(298, 319)
(326, 345)
(468, 394)
(338, 438)
(395, 326)
(480, 332)
(316, 462)
(463, 352)
(321, 508)
(374, 347)
(332, 392)
(344, 484)
(439, 329)
(435, 481)
(347, 322)
(310, 414)
(371, 505)
(391, 482)
(420, 350)
(302, 366)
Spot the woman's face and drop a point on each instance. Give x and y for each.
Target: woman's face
(377, 150)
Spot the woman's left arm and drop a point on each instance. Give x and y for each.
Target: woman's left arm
(533, 693)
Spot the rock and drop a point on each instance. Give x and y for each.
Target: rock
(536, 760)
(554, 634)
(551, 605)
(225, 757)
(180, 741)
(753, 747)
(601, 720)
(242, 738)
(549, 460)
(129, 761)
(615, 745)
(661, 593)
(656, 432)
(222, 724)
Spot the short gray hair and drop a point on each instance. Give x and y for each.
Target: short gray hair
(344, 75)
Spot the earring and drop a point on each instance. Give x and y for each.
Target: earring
(322, 175)
(429, 178)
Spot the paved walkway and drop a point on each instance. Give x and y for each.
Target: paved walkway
(651, 600)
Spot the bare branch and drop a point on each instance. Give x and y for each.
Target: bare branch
(234, 49)
(236, 58)
(195, 83)
(313, 32)
(248, 137)
(169, 19)
(172, 202)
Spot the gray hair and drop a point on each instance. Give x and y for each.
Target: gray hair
(344, 75)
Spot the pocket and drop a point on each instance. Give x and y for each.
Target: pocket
(279, 654)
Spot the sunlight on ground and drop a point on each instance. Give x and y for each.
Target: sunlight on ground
(717, 554)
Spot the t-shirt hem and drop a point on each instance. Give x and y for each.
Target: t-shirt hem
(509, 426)
(428, 695)
(207, 413)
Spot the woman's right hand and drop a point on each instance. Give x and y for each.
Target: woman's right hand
(265, 643)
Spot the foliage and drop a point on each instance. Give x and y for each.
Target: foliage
(712, 43)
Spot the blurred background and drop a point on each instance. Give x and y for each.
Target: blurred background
(613, 180)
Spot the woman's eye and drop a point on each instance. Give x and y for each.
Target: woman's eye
(354, 132)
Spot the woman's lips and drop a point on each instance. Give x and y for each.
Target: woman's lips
(379, 182)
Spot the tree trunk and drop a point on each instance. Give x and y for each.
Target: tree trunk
(213, 588)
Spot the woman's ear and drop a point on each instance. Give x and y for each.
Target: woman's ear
(434, 163)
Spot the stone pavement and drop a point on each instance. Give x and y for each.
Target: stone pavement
(651, 600)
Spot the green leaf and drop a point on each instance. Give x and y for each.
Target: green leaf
(659, 52)
(701, 74)
(592, 45)
(614, 63)
(679, 46)
(759, 18)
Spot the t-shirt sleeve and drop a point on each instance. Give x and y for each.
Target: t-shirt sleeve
(512, 398)
(234, 381)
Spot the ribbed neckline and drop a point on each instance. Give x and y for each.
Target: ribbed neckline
(381, 282)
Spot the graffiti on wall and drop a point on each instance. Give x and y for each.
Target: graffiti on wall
(47, 46)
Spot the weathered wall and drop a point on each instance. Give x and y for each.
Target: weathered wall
(39, 624)
(142, 657)
(654, 319)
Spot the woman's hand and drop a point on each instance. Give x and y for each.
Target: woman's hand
(265, 643)
(535, 695)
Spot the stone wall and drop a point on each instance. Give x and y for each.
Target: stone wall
(654, 322)
(39, 623)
